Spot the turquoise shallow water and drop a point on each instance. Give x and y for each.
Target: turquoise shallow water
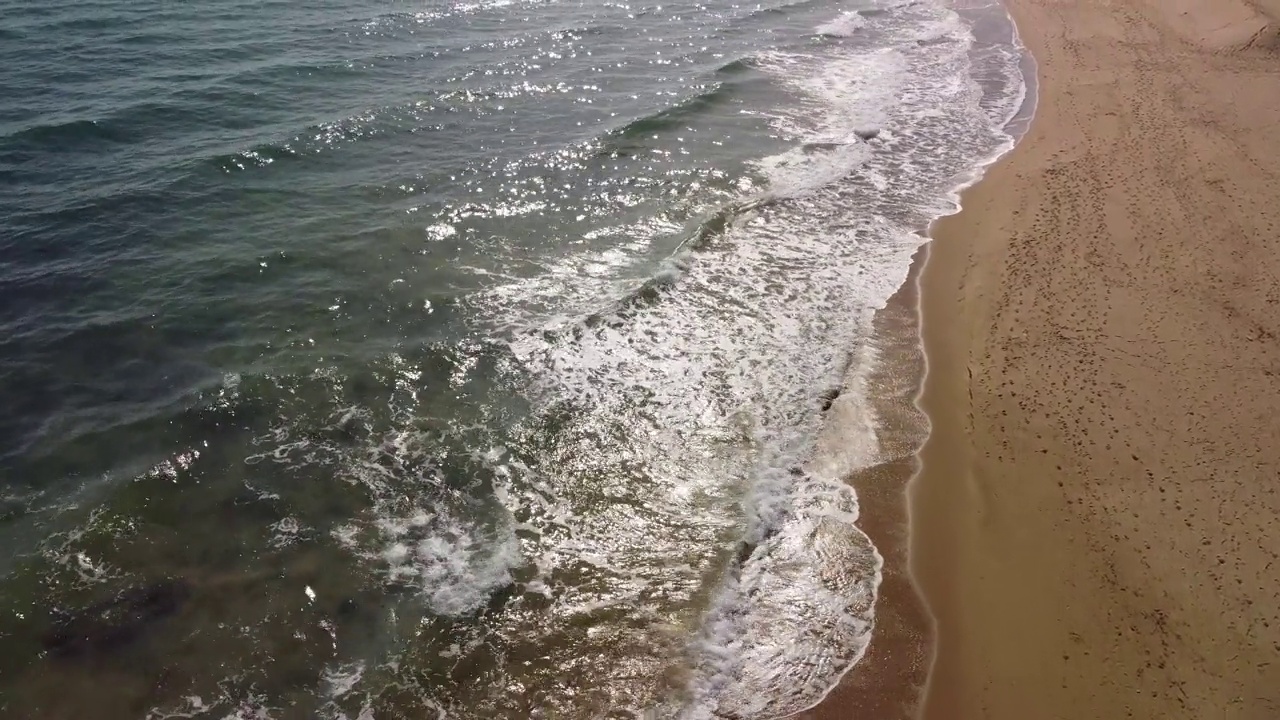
(391, 359)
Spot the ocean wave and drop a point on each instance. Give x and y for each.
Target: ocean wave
(395, 22)
(785, 8)
(738, 66)
(439, 110)
(842, 27)
(646, 293)
(69, 135)
(389, 122)
(638, 133)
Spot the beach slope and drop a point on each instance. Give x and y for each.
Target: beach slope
(1096, 525)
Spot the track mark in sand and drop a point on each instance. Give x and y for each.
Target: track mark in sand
(1134, 346)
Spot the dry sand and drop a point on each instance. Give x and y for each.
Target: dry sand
(1095, 524)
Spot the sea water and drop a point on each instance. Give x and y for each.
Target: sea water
(418, 359)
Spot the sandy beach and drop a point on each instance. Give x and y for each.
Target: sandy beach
(1094, 517)
(1094, 527)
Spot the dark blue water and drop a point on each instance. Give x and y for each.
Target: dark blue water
(391, 359)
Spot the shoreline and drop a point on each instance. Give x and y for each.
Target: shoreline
(1092, 524)
(890, 679)
(886, 681)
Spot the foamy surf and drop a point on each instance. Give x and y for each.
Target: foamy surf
(769, 306)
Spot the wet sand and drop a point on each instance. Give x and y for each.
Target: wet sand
(1096, 522)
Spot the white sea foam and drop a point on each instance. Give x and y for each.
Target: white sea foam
(457, 565)
(843, 26)
(340, 680)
